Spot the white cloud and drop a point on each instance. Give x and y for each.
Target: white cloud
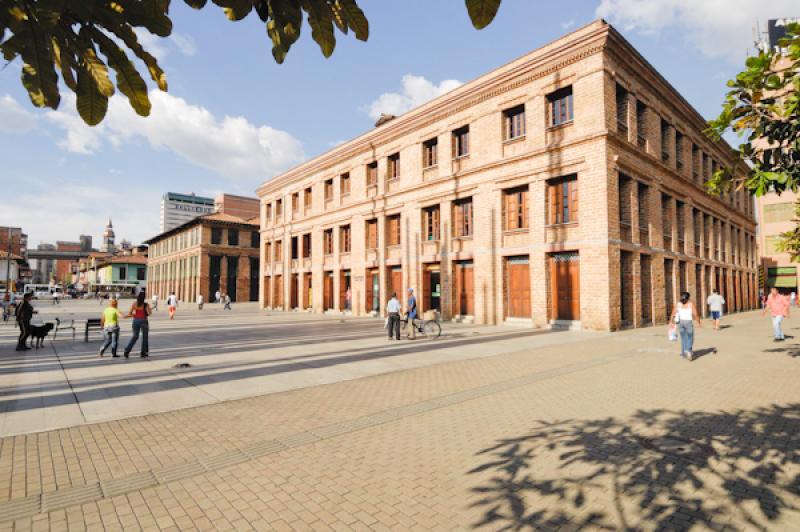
(230, 146)
(161, 47)
(718, 28)
(568, 24)
(415, 91)
(13, 117)
(184, 43)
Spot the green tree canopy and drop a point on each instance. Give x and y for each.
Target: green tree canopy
(80, 39)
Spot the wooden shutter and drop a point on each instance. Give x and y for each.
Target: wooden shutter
(573, 200)
(459, 220)
(554, 202)
(524, 207)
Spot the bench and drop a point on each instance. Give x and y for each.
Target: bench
(64, 326)
(92, 323)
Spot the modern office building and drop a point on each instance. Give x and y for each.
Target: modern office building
(564, 188)
(177, 209)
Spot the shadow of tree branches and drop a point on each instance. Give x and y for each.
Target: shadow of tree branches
(656, 470)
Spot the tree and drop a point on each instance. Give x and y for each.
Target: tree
(81, 39)
(763, 105)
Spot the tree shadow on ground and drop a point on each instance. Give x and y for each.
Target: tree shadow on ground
(656, 470)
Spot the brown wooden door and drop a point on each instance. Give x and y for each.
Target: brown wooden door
(327, 291)
(464, 297)
(345, 301)
(396, 282)
(267, 291)
(518, 287)
(293, 292)
(277, 287)
(372, 291)
(565, 279)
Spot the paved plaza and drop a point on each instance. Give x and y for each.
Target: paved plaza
(300, 422)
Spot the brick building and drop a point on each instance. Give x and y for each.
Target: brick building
(563, 188)
(208, 253)
(241, 206)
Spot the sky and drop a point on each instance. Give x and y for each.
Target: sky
(233, 118)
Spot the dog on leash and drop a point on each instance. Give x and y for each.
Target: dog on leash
(39, 333)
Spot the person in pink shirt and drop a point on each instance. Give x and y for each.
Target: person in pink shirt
(778, 307)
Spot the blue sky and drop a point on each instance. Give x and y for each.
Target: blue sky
(234, 118)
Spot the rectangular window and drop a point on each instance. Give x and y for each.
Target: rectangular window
(679, 150)
(664, 140)
(461, 142)
(393, 167)
(372, 234)
(393, 230)
(278, 251)
(372, 174)
(430, 150)
(269, 213)
(233, 237)
(560, 106)
(140, 274)
(515, 208)
(216, 236)
(344, 184)
(462, 217)
(123, 273)
(344, 239)
(327, 241)
(255, 239)
(278, 209)
(329, 190)
(308, 200)
(431, 222)
(696, 158)
(307, 246)
(622, 110)
(268, 251)
(563, 200)
(514, 122)
(295, 203)
(295, 250)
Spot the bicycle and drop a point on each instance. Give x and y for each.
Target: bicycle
(428, 328)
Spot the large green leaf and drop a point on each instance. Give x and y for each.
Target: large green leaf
(150, 14)
(235, 9)
(38, 70)
(320, 19)
(129, 82)
(66, 63)
(482, 12)
(91, 105)
(196, 4)
(128, 36)
(98, 70)
(355, 18)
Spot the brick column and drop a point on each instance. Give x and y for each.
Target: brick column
(537, 220)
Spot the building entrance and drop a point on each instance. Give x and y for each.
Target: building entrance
(432, 288)
(464, 293)
(565, 286)
(518, 287)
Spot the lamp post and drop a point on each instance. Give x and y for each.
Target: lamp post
(8, 265)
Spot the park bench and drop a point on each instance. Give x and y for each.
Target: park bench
(91, 323)
(64, 326)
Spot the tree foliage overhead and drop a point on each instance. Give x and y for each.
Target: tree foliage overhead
(78, 40)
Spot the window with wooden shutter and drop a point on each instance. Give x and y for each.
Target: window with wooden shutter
(560, 106)
(515, 207)
(344, 239)
(279, 209)
(278, 251)
(641, 124)
(429, 152)
(307, 246)
(514, 122)
(328, 189)
(432, 223)
(372, 234)
(372, 174)
(462, 210)
(622, 110)
(327, 241)
(393, 230)
(461, 142)
(344, 184)
(562, 197)
(268, 251)
(393, 167)
(307, 200)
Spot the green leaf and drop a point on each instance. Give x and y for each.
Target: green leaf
(196, 4)
(235, 9)
(150, 14)
(320, 19)
(66, 64)
(129, 82)
(482, 12)
(98, 70)
(128, 36)
(38, 70)
(355, 18)
(91, 105)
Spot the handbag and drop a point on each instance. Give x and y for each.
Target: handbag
(672, 333)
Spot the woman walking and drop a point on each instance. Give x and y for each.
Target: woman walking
(685, 314)
(139, 312)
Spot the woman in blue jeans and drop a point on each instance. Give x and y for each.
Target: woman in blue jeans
(684, 315)
(139, 312)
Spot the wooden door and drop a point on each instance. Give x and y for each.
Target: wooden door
(518, 287)
(327, 291)
(345, 300)
(372, 301)
(307, 295)
(277, 297)
(565, 286)
(464, 298)
(396, 282)
(293, 291)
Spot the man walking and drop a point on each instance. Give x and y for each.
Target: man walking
(393, 309)
(412, 315)
(217, 298)
(24, 316)
(200, 301)
(109, 321)
(172, 305)
(227, 300)
(715, 302)
(778, 307)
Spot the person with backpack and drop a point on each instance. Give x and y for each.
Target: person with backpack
(139, 311)
(684, 315)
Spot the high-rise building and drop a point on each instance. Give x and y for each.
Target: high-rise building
(45, 268)
(177, 209)
(108, 238)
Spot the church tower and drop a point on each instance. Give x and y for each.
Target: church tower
(108, 238)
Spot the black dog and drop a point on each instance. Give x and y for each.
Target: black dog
(38, 334)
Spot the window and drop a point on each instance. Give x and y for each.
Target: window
(123, 273)
(664, 140)
(778, 212)
(268, 251)
(695, 158)
(560, 106)
(622, 110)
(462, 217)
(344, 239)
(372, 234)
(563, 200)
(216, 235)
(233, 237)
(295, 251)
(344, 184)
(279, 209)
(514, 122)
(329, 190)
(515, 208)
(393, 230)
(140, 274)
(372, 174)
(679, 150)
(255, 239)
(393, 168)
(327, 241)
(307, 246)
(307, 200)
(431, 222)
(461, 142)
(430, 150)
(295, 203)
(269, 213)
(278, 251)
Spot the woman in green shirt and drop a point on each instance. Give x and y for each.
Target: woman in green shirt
(110, 323)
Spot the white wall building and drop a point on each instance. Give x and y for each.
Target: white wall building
(177, 209)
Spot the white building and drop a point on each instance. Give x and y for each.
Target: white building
(9, 269)
(177, 209)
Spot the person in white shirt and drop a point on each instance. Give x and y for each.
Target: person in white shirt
(793, 298)
(685, 314)
(393, 308)
(715, 303)
(217, 297)
(200, 301)
(172, 304)
(154, 306)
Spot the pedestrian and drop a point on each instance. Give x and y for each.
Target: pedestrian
(684, 315)
(24, 316)
(393, 309)
(55, 297)
(217, 297)
(715, 302)
(793, 298)
(411, 314)
(139, 311)
(347, 299)
(227, 301)
(199, 301)
(762, 298)
(154, 305)
(172, 305)
(778, 307)
(109, 321)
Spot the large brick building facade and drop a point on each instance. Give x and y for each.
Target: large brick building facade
(563, 188)
(208, 253)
